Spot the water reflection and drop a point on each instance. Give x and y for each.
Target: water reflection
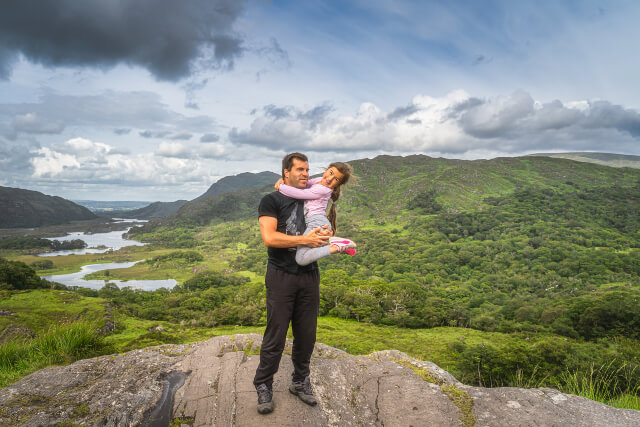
(76, 279)
(111, 240)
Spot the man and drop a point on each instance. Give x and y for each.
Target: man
(293, 291)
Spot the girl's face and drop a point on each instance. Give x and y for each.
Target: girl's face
(332, 178)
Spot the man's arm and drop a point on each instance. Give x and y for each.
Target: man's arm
(275, 239)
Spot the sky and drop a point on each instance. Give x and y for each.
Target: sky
(156, 100)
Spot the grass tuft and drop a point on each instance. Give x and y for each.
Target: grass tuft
(604, 384)
(60, 345)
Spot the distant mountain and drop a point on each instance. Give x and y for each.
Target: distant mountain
(26, 208)
(240, 182)
(152, 211)
(110, 206)
(605, 159)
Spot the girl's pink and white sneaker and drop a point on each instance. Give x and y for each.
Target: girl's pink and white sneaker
(348, 243)
(345, 246)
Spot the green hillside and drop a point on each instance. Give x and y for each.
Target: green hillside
(388, 187)
(26, 208)
(239, 182)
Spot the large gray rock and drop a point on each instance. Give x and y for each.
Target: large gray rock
(210, 383)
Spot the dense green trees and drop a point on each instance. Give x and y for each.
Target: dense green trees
(39, 243)
(16, 275)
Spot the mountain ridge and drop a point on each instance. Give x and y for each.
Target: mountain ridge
(27, 208)
(605, 159)
(392, 185)
(239, 182)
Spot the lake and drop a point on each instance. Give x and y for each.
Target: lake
(111, 241)
(76, 279)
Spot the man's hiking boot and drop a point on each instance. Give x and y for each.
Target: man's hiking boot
(265, 399)
(303, 391)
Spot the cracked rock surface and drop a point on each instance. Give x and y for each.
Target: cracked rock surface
(210, 384)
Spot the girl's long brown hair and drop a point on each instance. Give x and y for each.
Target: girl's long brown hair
(345, 170)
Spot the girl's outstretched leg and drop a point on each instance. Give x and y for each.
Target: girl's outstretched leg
(306, 255)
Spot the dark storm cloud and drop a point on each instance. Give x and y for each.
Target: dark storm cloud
(209, 137)
(169, 38)
(7, 58)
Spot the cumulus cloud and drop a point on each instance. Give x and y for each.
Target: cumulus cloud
(172, 149)
(212, 151)
(83, 161)
(169, 38)
(49, 163)
(456, 125)
(121, 111)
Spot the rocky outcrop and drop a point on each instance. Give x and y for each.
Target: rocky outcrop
(210, 383)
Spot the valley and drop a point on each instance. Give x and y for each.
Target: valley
(519, 271)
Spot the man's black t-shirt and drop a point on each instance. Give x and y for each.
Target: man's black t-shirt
(290, 215)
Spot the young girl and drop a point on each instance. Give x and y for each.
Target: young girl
(316, 197)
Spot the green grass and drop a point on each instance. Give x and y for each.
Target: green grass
(425, 344)
(602, 383)
(132, 333)
(61, 344)
(37, 309)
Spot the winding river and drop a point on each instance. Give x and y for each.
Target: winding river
(105, 241)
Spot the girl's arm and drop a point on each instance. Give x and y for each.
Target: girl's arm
(312, 193)
(313, 181)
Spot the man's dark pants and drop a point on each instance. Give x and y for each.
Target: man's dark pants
(295, 298)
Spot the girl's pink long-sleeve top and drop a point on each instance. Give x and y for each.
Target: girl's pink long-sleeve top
(316, 197)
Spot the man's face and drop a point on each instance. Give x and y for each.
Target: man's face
(298, 175)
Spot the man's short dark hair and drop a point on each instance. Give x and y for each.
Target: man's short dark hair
(287, 162)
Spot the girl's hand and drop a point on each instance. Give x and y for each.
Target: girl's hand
(277, 186)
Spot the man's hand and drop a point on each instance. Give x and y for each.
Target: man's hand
(317, 237)
(277, 186)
